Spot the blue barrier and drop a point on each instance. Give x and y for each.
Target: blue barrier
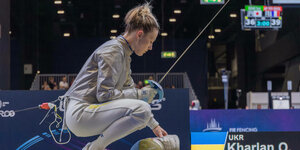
(245, 120)
(245, 129)
(22, 130)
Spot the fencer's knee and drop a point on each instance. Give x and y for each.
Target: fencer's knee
(143, 111)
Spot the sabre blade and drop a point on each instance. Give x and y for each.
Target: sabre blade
(193, 42)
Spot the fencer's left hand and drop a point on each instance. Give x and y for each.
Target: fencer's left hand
(159, 131)
(147, 94)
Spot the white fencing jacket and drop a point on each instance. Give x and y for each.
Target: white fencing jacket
(106, 76)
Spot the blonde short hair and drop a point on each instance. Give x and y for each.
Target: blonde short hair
(141, 17)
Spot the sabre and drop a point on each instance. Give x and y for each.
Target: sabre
(193, 42)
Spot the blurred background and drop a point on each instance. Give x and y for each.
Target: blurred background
(57, 36)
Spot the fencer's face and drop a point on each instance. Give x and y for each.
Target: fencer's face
(144, 41)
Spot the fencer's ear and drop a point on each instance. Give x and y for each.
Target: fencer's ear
(139, 34)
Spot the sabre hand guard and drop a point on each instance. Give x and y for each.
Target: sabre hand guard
(159, 89)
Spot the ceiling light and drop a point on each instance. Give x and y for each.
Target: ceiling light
(116, 16)
(211, 36)
(57, 2)
(9, 32)
(113, 31)
(60, 12)
(112, 37)
(67, 34)
(218, 30)
(177, 11)
(172, 19)
(164, 34)
(233, 15)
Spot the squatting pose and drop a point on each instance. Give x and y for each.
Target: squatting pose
(103, 99)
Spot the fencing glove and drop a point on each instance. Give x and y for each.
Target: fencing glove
(147, 94)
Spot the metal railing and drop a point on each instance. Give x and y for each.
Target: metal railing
(142, 76)
(172, 80)
(188, 84)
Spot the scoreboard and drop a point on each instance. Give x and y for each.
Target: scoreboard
(261, 17)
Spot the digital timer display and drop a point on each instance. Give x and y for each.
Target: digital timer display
(262, 23)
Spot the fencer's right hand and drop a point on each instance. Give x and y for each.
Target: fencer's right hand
(159, 131)
(147, 94)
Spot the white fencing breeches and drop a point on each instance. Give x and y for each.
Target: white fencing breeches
(112, 120)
